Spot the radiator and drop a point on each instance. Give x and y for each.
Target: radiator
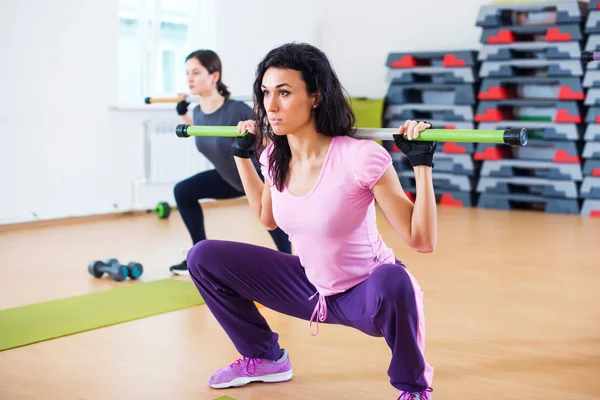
(168, 158)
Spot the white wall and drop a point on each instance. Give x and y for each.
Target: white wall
(358, 35)
(66, 152)
(245, 36)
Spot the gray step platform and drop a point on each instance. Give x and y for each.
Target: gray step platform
(547, 68)
(441, 180)
(529, 87)
(523, 185)
(540, 110)
(445, 198)
(556, 12)
(591, 78)
(540, 169)
(590, 188)
(592, 132)
(432, 75)
(591, 150)
(593, 115)
(427, 93)
(446, 59)
(592, 66)
(539, 130)
(531, 50)
(593, 42)
(591, 208)
(501, 201)
(592, 98)
(429, 112)
(455, 148)
(592, 23)
(591, 167)
(532, 33)
(542, 150)
(457, 164)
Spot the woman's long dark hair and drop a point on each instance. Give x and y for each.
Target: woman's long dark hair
(211, 61)
(333, 115)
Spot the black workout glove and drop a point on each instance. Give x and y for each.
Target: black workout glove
(182, 107)
(417, 152)
(244, 146)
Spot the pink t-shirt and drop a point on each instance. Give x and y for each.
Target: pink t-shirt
(333, 228)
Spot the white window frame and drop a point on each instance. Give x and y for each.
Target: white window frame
(201, 34)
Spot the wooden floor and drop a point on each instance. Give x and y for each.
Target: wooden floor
(512, 301)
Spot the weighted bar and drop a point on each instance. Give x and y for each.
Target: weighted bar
(190, 99)
(589, 56)
(516, 137)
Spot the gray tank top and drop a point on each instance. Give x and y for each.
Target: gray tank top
(218, 149)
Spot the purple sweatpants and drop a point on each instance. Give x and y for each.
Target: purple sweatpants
(230, 276)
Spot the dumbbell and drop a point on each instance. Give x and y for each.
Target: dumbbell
(116, 270)
(162, 210)
(135, 270)
(111, 267)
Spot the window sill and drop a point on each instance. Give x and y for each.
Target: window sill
(142, 107)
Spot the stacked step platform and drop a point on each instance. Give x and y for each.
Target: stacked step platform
(438, 87)
(590, 188)
(531, 77)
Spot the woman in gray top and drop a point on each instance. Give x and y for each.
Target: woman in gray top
(203, 69)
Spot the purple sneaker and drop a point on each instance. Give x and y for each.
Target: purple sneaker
(422, 395)
(246, 370)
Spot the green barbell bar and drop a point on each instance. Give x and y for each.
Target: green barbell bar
(516, 137)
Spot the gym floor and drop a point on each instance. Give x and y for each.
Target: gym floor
(511, 300)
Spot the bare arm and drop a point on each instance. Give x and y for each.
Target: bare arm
(415, 224)
(257, 192)
(187, 119)
(266, 216)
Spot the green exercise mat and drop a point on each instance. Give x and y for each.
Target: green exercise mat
(34, 323)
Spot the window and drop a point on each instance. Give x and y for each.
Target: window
(155, 36)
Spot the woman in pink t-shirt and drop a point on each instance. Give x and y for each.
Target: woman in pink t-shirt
(320, 187)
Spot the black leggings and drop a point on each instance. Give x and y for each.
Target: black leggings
(210, 185)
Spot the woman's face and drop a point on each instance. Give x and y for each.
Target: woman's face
(200, 82)
(287, 103)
